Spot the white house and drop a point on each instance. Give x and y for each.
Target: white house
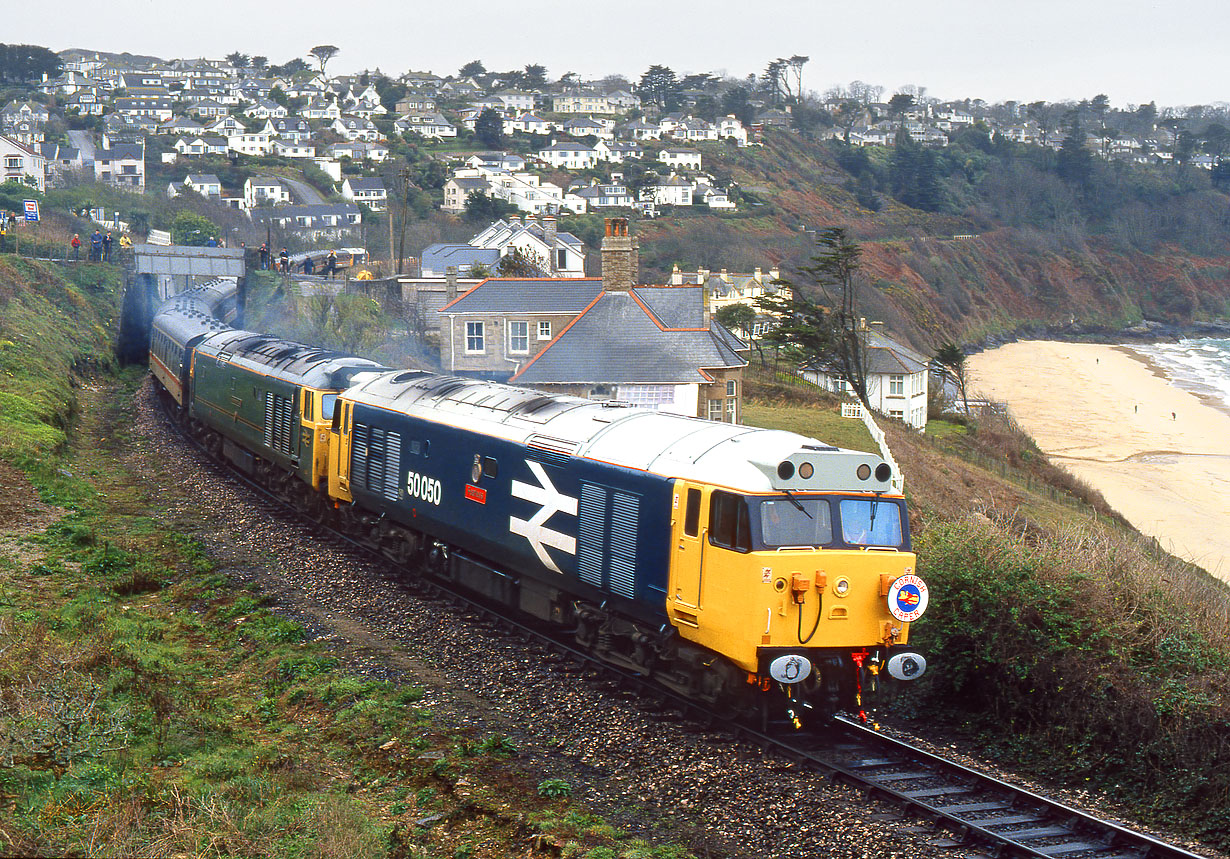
(672, 191)
(196, 147)
(731, 127)
(22, 164)
(686, 159)
(206, 184)
(251, 143)
(121, 164)
(265, 191)
(358, 150)
(367, 190)
(355, 128)
(263, 108)
(569, 156)
(605, 196)
(896, 379)
(291, 149)
(557, 254)
(515, 100)
(426, 125)
(530, 123)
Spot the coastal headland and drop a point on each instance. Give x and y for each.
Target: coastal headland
(1159, 454)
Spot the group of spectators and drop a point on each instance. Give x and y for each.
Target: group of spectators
(282, 262)
(100, 246)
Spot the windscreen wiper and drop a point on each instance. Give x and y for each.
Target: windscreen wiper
(803, 509)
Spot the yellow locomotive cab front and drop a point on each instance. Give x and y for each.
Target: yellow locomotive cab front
(805, 583)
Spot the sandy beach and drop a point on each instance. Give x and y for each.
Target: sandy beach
(1160, 455)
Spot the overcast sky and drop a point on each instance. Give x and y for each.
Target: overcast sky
(1135, 51)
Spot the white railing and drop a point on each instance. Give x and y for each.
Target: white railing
(877, 435)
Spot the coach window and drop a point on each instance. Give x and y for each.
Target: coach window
(729, 524)
(691, 515)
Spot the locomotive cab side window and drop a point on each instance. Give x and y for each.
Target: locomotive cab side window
(309, 405)
(328, 405)
(691, 514)
(729, 523)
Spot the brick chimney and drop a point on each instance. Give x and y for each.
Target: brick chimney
(450, 284)
(548, 236)
(706, 312)
(620, 257)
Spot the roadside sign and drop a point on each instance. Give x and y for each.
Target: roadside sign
(31, 207)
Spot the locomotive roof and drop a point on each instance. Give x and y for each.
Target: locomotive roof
(286, 360)
(743, 458)
(186, 316)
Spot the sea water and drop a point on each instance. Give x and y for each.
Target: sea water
(1200, 365)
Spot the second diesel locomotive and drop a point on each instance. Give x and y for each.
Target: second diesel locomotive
(751, 569)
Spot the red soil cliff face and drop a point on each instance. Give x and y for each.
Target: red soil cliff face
(931, 277)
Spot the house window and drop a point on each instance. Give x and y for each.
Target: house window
(732, 388)
(648, 396)
(715, 410)
(896, 413)
(12, 161)
(896, 386)
(474, 338)
(544, 330)
(518, 337)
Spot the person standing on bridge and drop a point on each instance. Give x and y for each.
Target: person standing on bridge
(331, 264)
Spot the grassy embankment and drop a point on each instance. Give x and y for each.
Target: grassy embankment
(150, 707)
(1064, 641)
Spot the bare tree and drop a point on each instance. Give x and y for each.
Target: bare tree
(865, 93)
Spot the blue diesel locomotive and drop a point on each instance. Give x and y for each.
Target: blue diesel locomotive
(754, 570)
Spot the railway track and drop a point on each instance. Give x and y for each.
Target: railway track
(957, 807)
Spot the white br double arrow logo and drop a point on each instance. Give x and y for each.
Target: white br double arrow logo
(550, 502)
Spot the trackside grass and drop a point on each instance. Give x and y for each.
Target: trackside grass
(149, 706)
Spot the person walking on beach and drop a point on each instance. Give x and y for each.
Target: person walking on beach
(76, 246)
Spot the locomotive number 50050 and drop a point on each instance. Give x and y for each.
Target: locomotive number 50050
(424, 488)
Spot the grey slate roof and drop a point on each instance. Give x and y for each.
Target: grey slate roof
(885, 355)
(530, 295)
(617, 342)
(366, 183)
(439, 256)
